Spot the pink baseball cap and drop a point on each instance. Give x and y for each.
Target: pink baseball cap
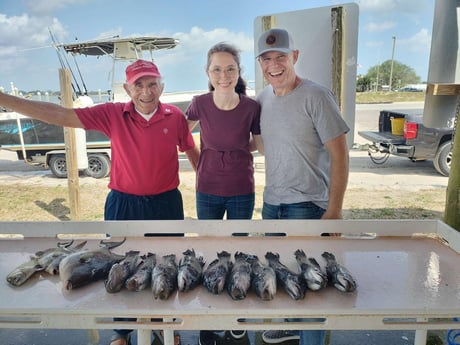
(141, 68)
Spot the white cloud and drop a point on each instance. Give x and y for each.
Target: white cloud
(24, 31)
(47, 7)
(188, 59)
(195, 44)
(420, 42)
(377, 5)
(198, 39)
(400, 6)
(374, 44)
(379, 27)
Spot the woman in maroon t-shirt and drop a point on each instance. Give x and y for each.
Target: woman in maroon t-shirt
(229, 124)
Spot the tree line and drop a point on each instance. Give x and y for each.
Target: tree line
(378, 77)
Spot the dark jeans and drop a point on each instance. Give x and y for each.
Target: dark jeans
(122, 206)
(210, 206)
(301, 210)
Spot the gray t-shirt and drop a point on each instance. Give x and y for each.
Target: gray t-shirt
(294, 129)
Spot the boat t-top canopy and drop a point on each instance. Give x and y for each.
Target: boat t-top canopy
(120, 48)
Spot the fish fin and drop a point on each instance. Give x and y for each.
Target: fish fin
(313, 262)
(111, 245)
(299, 253)
(80, 245)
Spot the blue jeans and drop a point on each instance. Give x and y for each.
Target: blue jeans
(210, 206)
(301, 210)
(312, 337)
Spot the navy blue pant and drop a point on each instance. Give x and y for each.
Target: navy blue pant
(122, 206)
(164, 206)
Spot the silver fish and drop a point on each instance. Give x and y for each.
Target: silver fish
(263, 279)
(239, 280)
(338, 275)
(164, 277)
(215, 275)
(43, 260)
(142, 278)
(84, 267)
(190, 271)
(53, 266)
(121, 271)
(311, 271)
(292, 282)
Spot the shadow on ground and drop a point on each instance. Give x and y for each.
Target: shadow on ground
(56, 208)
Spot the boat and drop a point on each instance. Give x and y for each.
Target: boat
(40, 143)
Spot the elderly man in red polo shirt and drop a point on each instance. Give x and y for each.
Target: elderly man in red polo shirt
(145, 135)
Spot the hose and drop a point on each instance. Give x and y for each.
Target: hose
(453, 335)
(376, 155)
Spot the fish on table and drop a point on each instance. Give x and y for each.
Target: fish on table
(338, 276)
(142, 278)
(291, 282)
(44, 260)
(239, 280)
(215, 275)
(121, 271)
(84, 267)
(53, 266)
(311, 271)
(164, 277)
(263, 279)
(190, 271)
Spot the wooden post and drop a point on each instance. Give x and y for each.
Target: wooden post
(70, 148)
(452, 211)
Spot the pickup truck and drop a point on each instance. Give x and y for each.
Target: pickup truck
(415, 141)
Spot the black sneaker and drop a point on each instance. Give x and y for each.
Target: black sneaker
(234, 338)
(277, 336)
(210, 337)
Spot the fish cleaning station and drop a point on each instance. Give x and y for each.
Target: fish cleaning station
(407, 277)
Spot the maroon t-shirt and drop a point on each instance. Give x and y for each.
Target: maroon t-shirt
(226, 166)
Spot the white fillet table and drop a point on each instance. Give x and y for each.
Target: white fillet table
(407, 271)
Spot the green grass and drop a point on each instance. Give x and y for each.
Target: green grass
(389, 97)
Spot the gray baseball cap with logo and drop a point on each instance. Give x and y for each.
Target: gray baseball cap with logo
(275, 40)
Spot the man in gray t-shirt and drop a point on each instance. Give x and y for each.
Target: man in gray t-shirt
(306, 154)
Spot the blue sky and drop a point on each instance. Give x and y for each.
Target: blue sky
(29, 61)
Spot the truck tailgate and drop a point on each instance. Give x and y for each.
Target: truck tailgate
(382, 137)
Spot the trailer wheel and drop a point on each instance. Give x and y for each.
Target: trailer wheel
(98, 165)
(58, 166)
(443, 158)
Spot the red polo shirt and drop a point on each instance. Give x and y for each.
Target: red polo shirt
(144, 153)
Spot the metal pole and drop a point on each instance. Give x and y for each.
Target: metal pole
(377, 82)
(392, 60)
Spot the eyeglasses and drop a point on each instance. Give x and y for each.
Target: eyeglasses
(266, 60)
(217, 72)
